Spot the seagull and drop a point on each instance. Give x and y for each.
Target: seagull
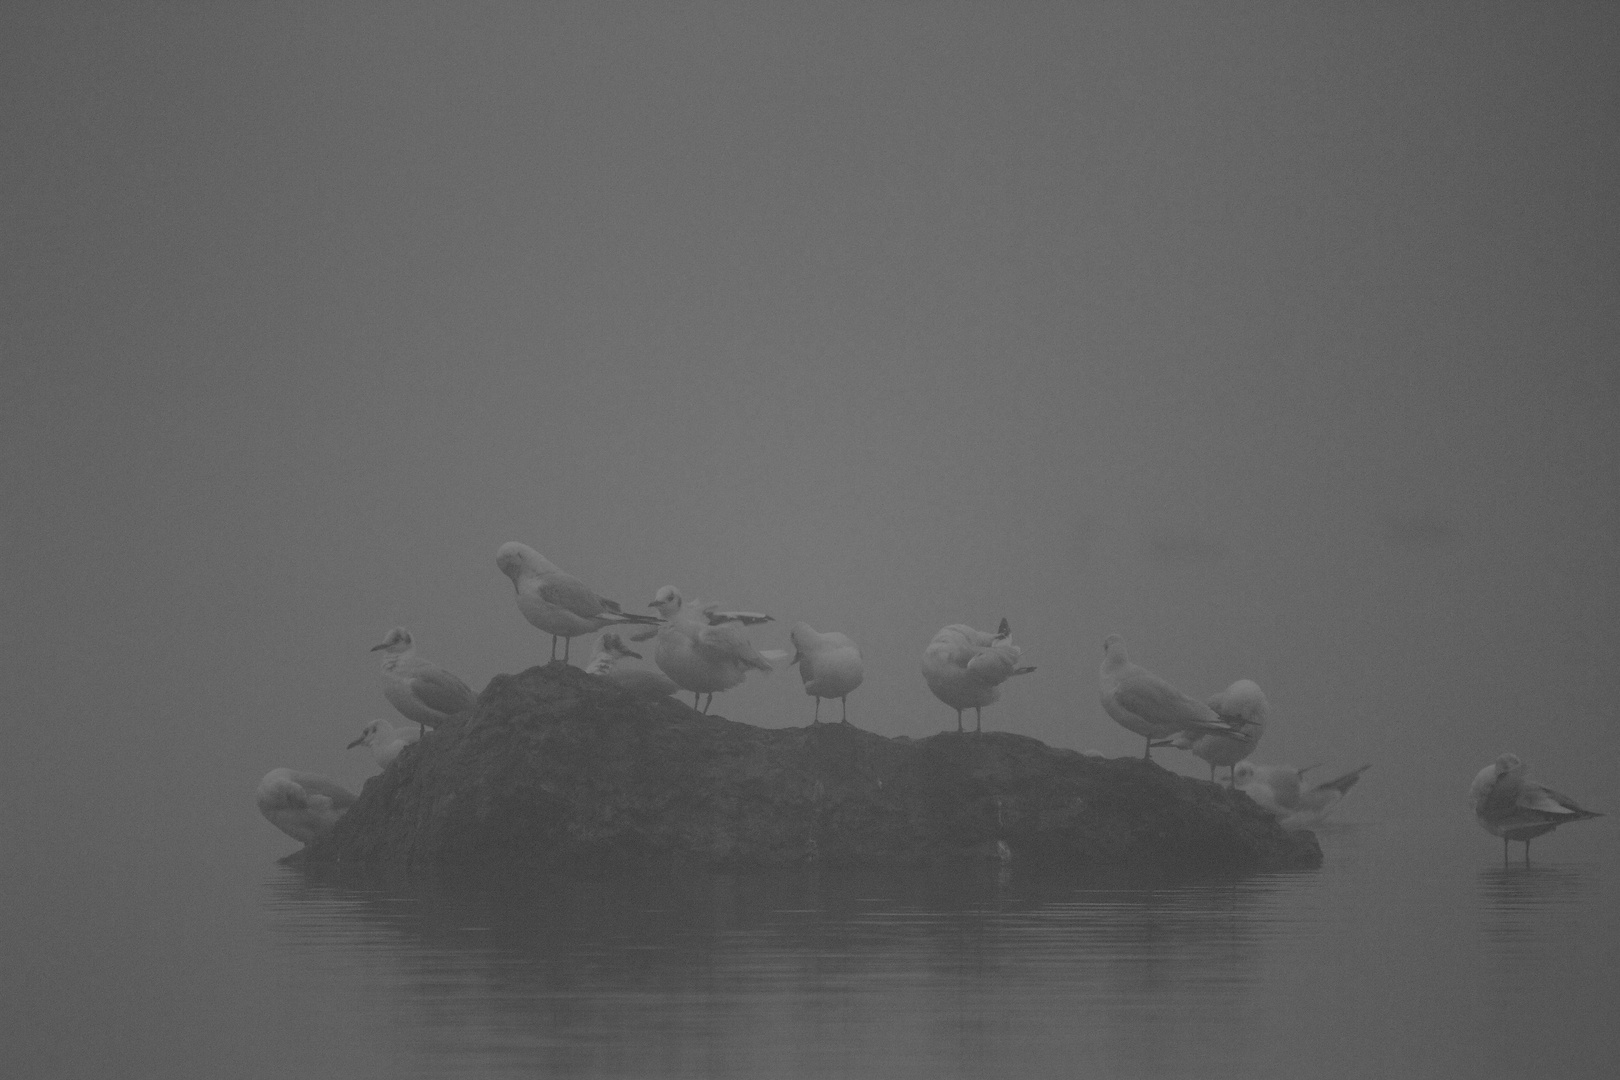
(1140, 701)
(385, 741)
(1509, 806)
(1277, 788)
(302, 805)
(965, 667)
(1241, 704)
(558, 603)
(698, 654)
(830, 665)
(420, 689)
(637, 682)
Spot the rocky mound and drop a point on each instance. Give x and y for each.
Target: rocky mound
(556, 770)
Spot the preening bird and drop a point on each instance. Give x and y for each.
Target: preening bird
(965, 667)
(385, 741)
(420, 689)
(302, 805)
(1140, 701)
(1513, 807)
(699, 655)
(1281, 790)
(635, 681)
(1241, 704)
(830, 665)
(557, 603)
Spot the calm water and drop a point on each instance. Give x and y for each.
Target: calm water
(1411, 952)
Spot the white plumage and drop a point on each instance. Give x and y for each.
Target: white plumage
(829, 664)
(557, 603)
(1140, 701)
(420, 689)
(699, 655)
(385, 741)
(638, 682)
(302, 805)
(965, 667)
(1242, 704)
(1281, 790)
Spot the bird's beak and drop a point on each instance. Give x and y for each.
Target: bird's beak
(356, 743)
(374, 648)
(637, 655)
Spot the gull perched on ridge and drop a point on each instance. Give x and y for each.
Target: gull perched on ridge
(420, 689)
(302, 805)
(1242, 704)
(637, 682)
(557, 603)
(385, 741)
(698, 654)
(1277, 788)
(965, 667)
(1140, 701)
(1515, 808)
(829, 663)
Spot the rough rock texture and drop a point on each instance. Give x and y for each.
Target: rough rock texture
(558, 770)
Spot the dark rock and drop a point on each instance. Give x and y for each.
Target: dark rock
(556, 770)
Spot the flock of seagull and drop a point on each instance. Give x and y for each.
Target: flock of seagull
(703, 650)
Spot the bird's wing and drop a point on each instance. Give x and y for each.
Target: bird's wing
(727, 641)
(572, 595)
(1153, 699)
(747, 618)
(1344, 783)
(991, 666)
(439, 689)
(1543, 799)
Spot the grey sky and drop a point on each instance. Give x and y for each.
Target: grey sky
(1279, 340)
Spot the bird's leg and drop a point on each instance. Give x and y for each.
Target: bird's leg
(694, 700)
(553, 646)
(1504, 851)
(845, 701)
(1527, 853)
(1147, 751)
(816, 719)
(978, 720)
(567, 641)
(958, 721)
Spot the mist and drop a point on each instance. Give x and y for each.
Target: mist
(1281, 342)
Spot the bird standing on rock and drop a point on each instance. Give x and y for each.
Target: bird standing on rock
(1140, 701)
(830, 665)
(420, 689)
(698, 654)
(965, 667)
(1513, 807)
(555, 602)
(1243, 704)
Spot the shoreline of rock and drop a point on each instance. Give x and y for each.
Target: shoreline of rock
(555, 771)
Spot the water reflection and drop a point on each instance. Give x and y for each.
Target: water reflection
(804, 973)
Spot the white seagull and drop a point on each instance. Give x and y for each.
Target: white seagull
(829, 663)
(1140, 701)
(1242, 704)
(555, 602)
(1514, 808)
(637, 682)
(302, 805)
(699, 654)
(965, 667)
(385, 741)
(420, 689)
(1279, 789)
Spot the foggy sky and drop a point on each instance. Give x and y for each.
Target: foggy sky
(1279, 340)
